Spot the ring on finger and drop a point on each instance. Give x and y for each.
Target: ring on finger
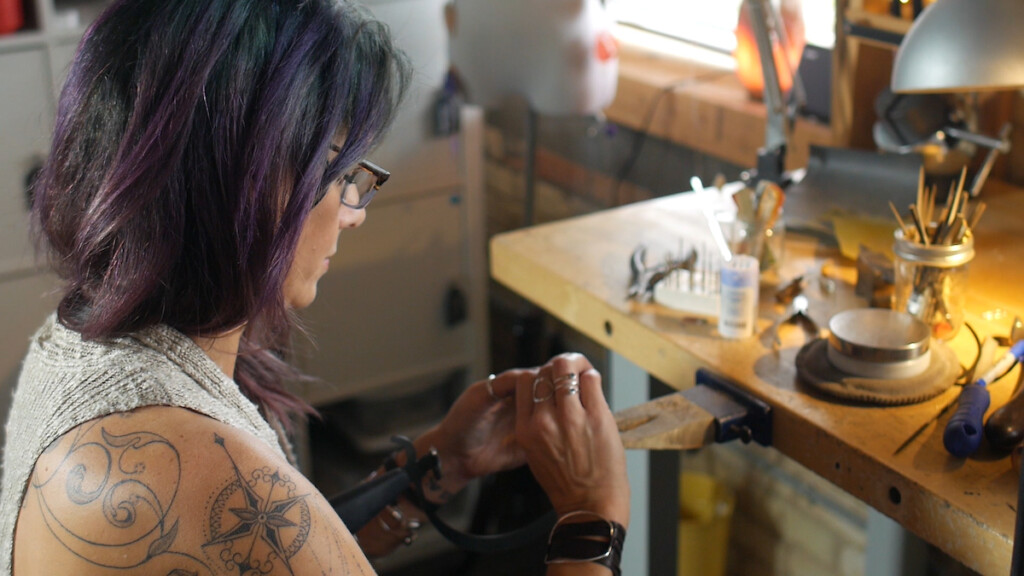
(571, 387)
(570, 379)
(490, 387)
(547, 393)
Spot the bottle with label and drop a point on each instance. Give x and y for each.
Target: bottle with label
(738, 303)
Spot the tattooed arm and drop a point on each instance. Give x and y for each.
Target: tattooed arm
(166, 491)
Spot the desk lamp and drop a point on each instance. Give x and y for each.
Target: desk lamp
(964, 46)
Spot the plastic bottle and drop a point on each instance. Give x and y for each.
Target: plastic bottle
(738, 304)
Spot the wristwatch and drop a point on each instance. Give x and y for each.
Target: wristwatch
(599, 541)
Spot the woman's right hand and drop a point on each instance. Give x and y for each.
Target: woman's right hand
(570, 440)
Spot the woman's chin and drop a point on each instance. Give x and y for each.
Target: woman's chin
(301, 300)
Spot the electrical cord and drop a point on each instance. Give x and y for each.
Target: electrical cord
(641, 137)
(967, 374)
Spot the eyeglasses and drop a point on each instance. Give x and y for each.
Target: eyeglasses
(360, 184)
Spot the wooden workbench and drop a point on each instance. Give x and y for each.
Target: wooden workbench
(578, 271)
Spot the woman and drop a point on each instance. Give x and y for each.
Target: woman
(204, 163)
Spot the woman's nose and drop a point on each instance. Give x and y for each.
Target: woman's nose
(350, 217)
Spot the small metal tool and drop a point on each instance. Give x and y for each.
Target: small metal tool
(644, 278)
(1016, 333)
(791, 290)
(796, 314)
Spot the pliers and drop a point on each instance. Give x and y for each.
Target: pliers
(644, 278)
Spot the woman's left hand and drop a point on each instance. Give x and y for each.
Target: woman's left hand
(477, 436)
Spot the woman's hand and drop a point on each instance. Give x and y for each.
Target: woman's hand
(568, 434)
(477, 436)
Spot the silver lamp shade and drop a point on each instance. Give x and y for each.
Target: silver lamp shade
(963, 46)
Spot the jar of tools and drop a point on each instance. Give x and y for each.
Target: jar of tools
(931, 282)
(756, 227)
(762, 239)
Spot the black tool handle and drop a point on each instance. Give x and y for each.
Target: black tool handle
(358, 506)
(1005, 427)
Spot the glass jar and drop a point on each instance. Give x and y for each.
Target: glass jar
(931, 282)
(766, 243)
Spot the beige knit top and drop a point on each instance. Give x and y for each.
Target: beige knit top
(66, 381)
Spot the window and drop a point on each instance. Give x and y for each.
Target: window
(711, 23)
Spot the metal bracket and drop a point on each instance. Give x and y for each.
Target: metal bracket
(737, 413)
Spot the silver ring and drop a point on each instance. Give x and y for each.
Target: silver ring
(571, 379)
(490, 387)
(550, 393)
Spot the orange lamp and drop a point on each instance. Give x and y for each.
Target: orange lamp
(787, 57)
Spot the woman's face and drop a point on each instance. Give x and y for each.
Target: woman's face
(318, 241)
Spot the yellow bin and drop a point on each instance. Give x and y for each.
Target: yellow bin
(705, 511)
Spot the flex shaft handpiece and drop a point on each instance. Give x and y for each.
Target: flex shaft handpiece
(964, 430)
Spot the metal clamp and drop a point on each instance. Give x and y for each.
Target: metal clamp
(737, 413)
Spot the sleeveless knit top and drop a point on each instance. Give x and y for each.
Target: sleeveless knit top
(66, 381)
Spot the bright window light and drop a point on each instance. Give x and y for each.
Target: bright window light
(712, 23)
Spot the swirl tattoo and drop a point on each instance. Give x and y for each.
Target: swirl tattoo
(131, 481)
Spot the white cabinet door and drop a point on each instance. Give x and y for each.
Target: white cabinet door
(26, 108)
(379, 317)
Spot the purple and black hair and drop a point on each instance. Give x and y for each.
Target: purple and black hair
(190, 144)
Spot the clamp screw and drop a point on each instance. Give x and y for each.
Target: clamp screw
(744, 433)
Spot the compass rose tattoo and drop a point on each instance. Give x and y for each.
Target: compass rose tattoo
(257, 522)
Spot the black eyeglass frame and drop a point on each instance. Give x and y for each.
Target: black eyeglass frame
(380, 177)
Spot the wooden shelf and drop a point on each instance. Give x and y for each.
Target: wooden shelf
(882, 22)
(701, 107)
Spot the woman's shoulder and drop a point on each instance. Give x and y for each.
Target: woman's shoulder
(164, 490)
(66, 380)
